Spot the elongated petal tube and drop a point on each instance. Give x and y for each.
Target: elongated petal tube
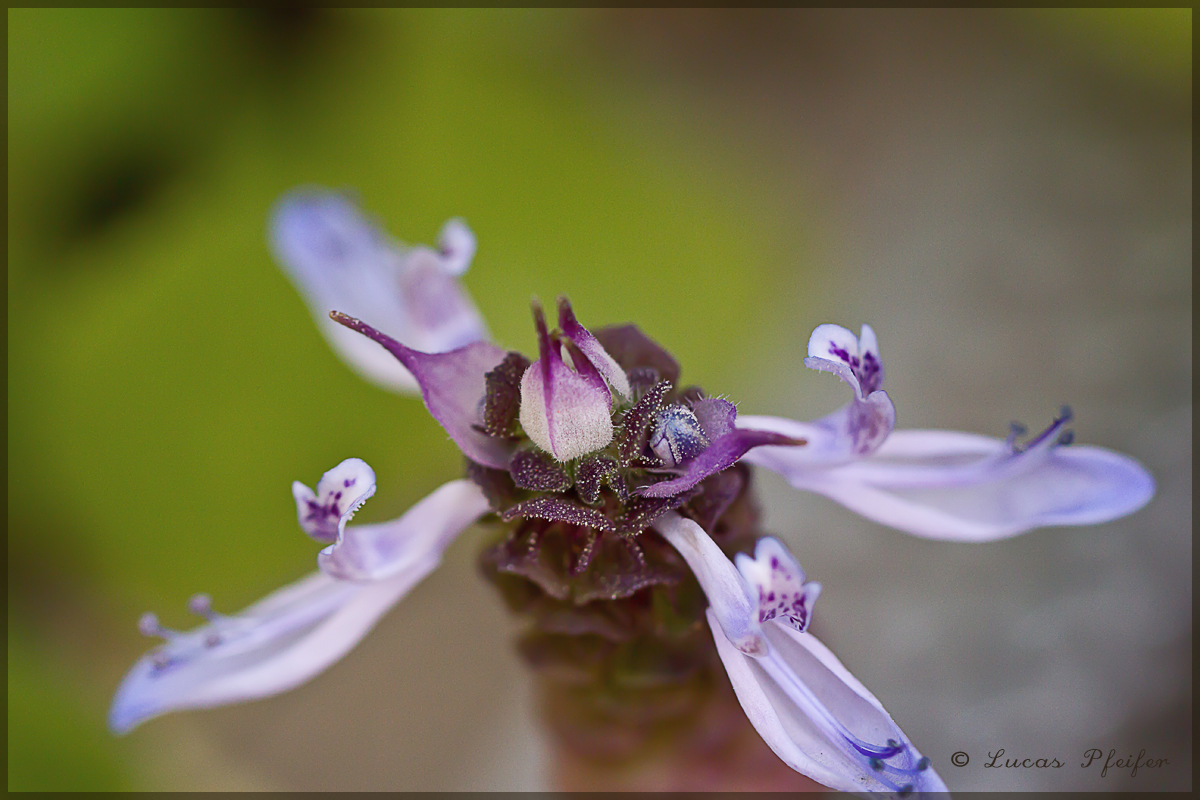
(341, 261)
(819, 719)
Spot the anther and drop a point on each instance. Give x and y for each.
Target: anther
(923, 764)
(1066, 437)
(212, 640)
(1065, 414)
(906, 790)
(1015, 431)
(148, 625)
(201, 606)
(876, 764)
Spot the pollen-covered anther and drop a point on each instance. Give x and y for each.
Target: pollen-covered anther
(677, 436)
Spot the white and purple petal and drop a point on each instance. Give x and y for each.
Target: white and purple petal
(340, 260)
(966, 487)
(818, 718)
(854, 431)
(565, 412)
(270, 647)
(323, 514)
(807, 707)
(456, 246)
(854, 359)
(452, 385)
(775, 577)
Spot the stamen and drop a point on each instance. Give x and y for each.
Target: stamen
(201, 606)
(148, 625)
(876, 755)
(1055, 429)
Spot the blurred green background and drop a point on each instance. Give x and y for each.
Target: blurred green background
(727, 180)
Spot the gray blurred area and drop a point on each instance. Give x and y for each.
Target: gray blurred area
(1007, 201)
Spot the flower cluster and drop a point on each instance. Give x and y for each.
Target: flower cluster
(615, 492)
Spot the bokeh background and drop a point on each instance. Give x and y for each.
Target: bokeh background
(1005, 197)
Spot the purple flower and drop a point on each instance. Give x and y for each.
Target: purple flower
(605, 457)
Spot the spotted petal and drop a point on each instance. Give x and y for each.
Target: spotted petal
(341, 261)
(324, 513)
(776, 579)
(966, 487)
(832, 348)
